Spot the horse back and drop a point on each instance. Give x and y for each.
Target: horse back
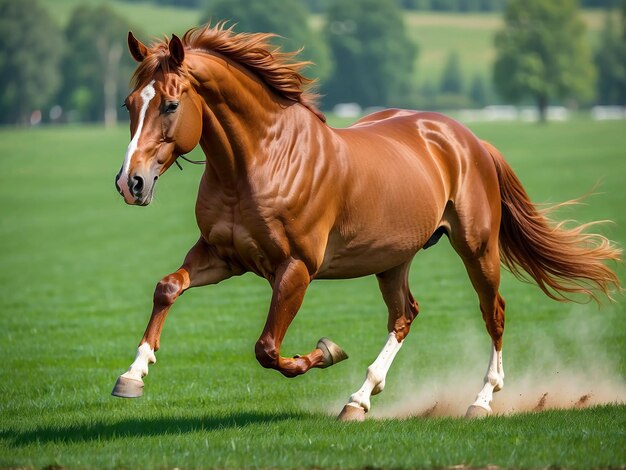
(405, 170)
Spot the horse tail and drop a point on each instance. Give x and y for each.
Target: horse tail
(561, 260)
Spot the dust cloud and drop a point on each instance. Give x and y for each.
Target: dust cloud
(451, 395)
(578, 368)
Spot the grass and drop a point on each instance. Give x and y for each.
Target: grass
(78, 268)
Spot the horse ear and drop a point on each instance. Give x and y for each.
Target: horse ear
(177, 51)
(136, 48)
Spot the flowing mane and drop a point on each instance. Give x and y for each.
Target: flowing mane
(281, 71)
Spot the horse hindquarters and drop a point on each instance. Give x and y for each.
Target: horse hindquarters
(473, 222)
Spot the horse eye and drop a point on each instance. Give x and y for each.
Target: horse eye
(171, 107)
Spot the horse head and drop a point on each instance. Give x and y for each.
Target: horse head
(165, 118)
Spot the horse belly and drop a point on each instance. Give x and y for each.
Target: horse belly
(383, 242)
(395, 202)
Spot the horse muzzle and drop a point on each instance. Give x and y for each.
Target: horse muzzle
(137, 189)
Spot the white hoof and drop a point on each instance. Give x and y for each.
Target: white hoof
(476, 411)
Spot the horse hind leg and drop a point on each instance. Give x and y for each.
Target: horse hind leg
(402, 309)
(480, 254)
(492, 307)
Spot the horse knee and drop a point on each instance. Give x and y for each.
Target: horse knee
(168, 289)
(266, 354)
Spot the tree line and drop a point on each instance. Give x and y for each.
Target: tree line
(362, 54)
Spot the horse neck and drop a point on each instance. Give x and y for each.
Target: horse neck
(240, 116)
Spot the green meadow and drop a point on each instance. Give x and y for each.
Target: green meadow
(78, 268)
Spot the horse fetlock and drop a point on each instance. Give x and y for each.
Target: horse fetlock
(374, 376)
(139, 368)
(266, 354)
(495, 379)
(360, 399)
(378, 388)
(483, 401)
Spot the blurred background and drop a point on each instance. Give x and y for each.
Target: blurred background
(66, 61)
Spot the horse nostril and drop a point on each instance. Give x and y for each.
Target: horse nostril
(137, 185)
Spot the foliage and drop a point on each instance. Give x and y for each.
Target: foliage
(78, 269)
(597, 3)
(478, 91)
(542, 53)
(453, 5)
(373, 56)
(97, 64)
(610, 59)
(30, 52)
(287, 18)
(452, 78)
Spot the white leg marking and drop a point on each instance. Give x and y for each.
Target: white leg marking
(147, 93)
(376, 374)
(494, 380)
(139, 368)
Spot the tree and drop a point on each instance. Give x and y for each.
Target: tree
(542, 53)
(610, 59)
(96, 63)
(478, 90)
(30, 52)
(452, 77)
(287, 18)
(373, 56)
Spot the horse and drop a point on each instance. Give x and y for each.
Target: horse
(287, 197)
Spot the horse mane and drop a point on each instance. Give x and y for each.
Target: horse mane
(281, 71)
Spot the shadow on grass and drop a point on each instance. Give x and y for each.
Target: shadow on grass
(139, 427)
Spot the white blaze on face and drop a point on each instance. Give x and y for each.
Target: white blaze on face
(146, 94)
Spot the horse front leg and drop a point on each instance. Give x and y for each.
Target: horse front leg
(290, 285)
(201, 267)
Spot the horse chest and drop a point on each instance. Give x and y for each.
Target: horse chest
(244, 244)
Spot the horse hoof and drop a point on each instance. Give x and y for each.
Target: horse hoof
(352, 413)
(332, 353)
(475, 411)
(127, 388)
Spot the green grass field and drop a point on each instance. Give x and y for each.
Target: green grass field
(78, 268)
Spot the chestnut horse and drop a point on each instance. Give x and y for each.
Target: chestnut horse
(291, 199)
